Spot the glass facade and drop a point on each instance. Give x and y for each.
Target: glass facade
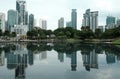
(12, 19)
(74, 19)
(31, 22)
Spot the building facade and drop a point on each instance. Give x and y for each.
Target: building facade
(69, 24)
(22, 13)
(12, 19)
(31, 22)
(2, 22)
(90, 19)
(61, 23)
(110, 22)
(74, 19)
(43, 24)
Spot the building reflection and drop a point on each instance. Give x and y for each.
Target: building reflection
(73, 61)
(110, 58)
(19, 60)
(90, 59)
(2, 58)
(61, 56)
(43, 55)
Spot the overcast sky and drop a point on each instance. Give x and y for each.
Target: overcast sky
(52, 10)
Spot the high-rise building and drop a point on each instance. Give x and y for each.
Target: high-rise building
(2, 22)
(86, 20)
(118, 22)
(69, 24)
(31, 22)
(43, 24)
(22, 13)
(74, 19)
(94, 20)
(110, 22)
(61, 23)
(90, 19)
(22, 27)
(12, 19)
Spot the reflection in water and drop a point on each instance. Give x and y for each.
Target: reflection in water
(73, 61)
(90, 59)
(20, 56)
(61, 56)
(2, 58)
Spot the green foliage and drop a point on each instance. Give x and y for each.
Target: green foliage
(7, 33)
(13, 34)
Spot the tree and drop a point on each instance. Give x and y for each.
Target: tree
(7, 33)
(13, 34)
(1, 32)
(98, 33)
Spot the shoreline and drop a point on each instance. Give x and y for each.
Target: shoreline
(62, 41)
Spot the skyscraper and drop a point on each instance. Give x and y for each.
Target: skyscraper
(43, 24)
(61, 23)
(74, 19)
(90, 19)
(118, 22)
(69, 24)
(94, 20)
(22, 27)
(110, 22)
(21, 9)
(31, 22)
(2, 22)
(12, 19)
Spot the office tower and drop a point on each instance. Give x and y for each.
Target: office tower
(90, 19)
(22, 27)
(69, 24)
(74, 19)
(2, 22)
(110, 22)
(73, 61)
(43, 24)
(12, 19)
(118, 22)
(21, 9)
(31, 22)
(94, 20)
(61, 23)
(86, 20)
(26, 18)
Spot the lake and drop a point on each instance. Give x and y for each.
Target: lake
(59, 61)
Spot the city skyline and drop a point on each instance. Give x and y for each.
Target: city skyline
(53, 10)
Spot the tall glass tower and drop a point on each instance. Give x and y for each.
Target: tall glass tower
(21, 9)
(74, 19)
(31, 22)
(12, 19)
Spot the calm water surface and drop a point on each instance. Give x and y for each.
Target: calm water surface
(59, 61)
